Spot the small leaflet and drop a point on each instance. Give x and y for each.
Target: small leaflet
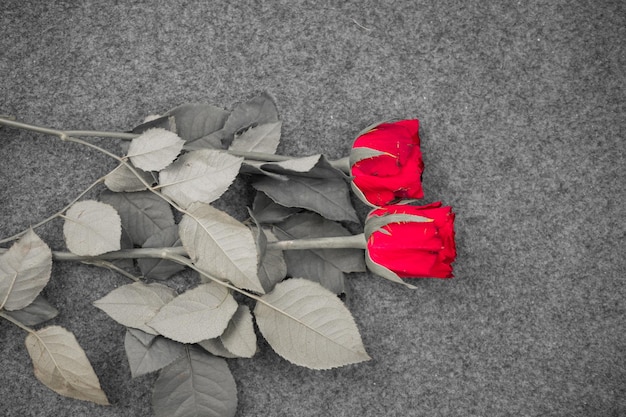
(153, 121)
(161, 269)
(155, 149)
(195, 315)
(122, 179)
(61, 364)
(238, 340)
(92, 228)
(220, 245)
(197, 123)
(143, 214)
(216, 347)
(133, 305)
(35, 313)
(329, 197)
(24, 271)
(199, 176)
(263, 138)
(157, 353)
(239, 337)
(266, 210)
(272, 268)
(258, 111)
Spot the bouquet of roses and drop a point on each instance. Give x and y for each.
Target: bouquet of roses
(281, 268)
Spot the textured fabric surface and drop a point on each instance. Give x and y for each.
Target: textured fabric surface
(522, 112)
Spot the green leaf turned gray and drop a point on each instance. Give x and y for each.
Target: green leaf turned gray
(202, 176)
(328, 197)
(194, 123)
(216, 347)
(92, 228)
(149, 357)
(262, 138)
(197, 384)
(309, 326)
(163, 122)
(143, 213)
(122, 179)
(133, 305)
(272, 267)
(62, 365)
(314, 166)
(266, 210)
(220, 245)
(195, 315)
(238, 340)
(24, 271)
(161, 269)
(154, 149)
(255, 112)
(35, 313)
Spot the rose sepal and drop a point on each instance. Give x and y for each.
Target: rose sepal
(385, 272)
(374, 125)
(375, 223)
(361, 153)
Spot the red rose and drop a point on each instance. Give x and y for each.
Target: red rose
(386, 163)
(412, 241)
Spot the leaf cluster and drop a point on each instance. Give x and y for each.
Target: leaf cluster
(181, 162)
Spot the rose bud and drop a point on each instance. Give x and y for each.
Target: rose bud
(386, 163)
(411, 241)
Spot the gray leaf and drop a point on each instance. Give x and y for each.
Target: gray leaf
(329, 197)
(143, 213)
(198, 384)
(257, 111)
(161, 269)
(35, 313)
(195, 121)
(24, 271)
(146, 358)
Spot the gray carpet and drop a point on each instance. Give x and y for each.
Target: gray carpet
(522, 106)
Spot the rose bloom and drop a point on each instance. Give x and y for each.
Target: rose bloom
(413, 247)
(394, 170)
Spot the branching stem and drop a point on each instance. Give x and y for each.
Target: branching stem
(342, 164)
(55, 215)
(65, 136)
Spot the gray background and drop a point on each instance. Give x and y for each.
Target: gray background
(522, 112)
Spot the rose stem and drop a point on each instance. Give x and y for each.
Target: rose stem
(341, 164)
(337, 242)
